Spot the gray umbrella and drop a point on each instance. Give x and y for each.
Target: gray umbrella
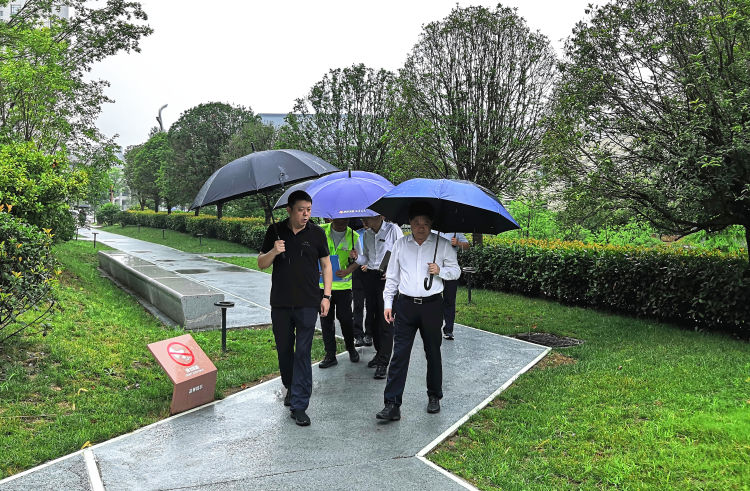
(260, 172)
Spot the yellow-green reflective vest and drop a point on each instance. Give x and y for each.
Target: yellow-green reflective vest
(343, 253)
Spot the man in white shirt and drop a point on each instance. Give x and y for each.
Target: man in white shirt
(414, 308)
(376, 246)
(450, 287)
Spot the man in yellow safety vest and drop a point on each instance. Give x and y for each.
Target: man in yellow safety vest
(343, 243)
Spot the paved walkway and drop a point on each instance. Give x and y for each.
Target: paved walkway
(248, 440)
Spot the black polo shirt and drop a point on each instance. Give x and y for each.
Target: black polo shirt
(294, 281)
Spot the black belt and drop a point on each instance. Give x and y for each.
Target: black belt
(421, 300)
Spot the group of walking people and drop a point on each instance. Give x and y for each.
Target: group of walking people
(371, 280)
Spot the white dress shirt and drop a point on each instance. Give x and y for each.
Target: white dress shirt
(375, 245)
(449, 235)
(407, 268)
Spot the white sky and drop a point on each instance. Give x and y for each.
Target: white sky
(265, 54)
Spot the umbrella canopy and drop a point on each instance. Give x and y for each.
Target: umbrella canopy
(347, 194)
(282, 201)
(460, 206)
(260, 171)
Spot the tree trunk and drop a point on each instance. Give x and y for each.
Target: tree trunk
(266, 209)
(197, 210)
(747, 251)
(142, 202)
(477, 239)
(156, 204)
(169, 207)
(219, 207)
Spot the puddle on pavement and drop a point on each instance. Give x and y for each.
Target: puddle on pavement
(191, 271)
(234, 269)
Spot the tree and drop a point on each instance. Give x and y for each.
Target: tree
(141, 173)
(44, 94)
(472, 97)
(653, 112)
(344, 118)
(198, 137)
(38, 186)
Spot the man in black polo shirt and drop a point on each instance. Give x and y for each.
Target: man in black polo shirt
(295, 296)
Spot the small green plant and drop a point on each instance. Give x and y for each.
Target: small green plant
(106, 215)
(28, 272)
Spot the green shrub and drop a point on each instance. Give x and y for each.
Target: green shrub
(702, 289)
(253, 236)
(202, 224)
(27, 274)
(107, 214)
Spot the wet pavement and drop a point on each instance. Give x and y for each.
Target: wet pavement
(248, 440)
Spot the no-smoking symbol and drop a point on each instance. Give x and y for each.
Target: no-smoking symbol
(181, 354)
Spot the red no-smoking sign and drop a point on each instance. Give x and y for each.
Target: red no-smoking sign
(181, 354)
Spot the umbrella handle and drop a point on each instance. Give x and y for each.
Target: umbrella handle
(428, 281)
(273, 221)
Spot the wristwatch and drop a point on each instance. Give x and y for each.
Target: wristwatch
(328, 297)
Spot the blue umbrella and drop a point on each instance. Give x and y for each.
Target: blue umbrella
(282, 201)
(460, 206)
(347, 194)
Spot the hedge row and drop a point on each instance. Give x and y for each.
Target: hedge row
(706, 290)
(246, 231)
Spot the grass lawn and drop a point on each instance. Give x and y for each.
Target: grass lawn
(92, 377)
(179, 240)
(639, 405)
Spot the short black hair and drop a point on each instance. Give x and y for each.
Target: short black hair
(298, 195)
(418, 208)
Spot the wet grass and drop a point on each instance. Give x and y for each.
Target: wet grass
(178, 240)
(640, 405)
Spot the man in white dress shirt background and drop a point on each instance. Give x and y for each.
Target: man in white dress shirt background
(414, 308)
(378, 241)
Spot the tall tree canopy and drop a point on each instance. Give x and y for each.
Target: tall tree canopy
(198, 138)
(653, 111)
(45, 96)
(473, 93)
(344, 118)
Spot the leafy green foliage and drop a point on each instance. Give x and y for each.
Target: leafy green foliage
(198, 138)
(107, 214)
(37, 186)
(653, 110)
(344, 118)
(702, 289)
(472, 95)
(27, 275)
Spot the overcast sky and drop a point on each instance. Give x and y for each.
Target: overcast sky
(265, 54)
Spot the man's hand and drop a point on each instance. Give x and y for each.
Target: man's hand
(341, 273)
(353, 254)
(433, 268)
(325, 304)
(454, 241)
(364, 268)
(388, 314)
(279, 246)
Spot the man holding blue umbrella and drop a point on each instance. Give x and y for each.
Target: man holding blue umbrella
(414, 307)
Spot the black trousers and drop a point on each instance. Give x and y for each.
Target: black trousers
(341, 307)
(358, 296)
(410, 318)
(450, 288)
(293, 330)
(382, 331)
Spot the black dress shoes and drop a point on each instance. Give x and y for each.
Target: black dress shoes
(433, 406)
(288, 398)
(390, 412)
(359, 342)
(448, 336)
(381, 371)
(353, 355)
(329, 361)
(368, 340)
(374, 362)
(300, 417)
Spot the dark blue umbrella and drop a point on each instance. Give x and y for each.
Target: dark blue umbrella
(460, 206)
(347, 194)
